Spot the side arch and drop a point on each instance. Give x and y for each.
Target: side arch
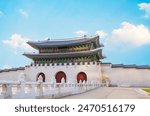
(41, 76)
(59, 75)
(81, 76)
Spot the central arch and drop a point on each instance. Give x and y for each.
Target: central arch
(41, 76)
(59, 75)
(81, 76)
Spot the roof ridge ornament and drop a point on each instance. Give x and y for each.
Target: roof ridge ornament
(85, 36)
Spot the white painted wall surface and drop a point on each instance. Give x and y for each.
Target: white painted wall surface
(116, 76)
(130, 77)
(127, 76)
(11, 75)
(93, 71)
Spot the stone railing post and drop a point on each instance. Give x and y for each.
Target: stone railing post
(87, 85)
(6, 91)
(21, 87)
(31, 93)
(80, 86)
(62, 83)
(40, 89)
(20, 90)
(83, 86)
(9, 91)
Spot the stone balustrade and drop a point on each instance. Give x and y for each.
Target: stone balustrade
(21, 89)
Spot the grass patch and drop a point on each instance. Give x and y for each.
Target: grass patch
(147, 90)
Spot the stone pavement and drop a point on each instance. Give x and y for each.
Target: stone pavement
(110, 93)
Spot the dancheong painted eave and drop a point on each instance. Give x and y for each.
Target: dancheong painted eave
(97, 51)
(65, 42)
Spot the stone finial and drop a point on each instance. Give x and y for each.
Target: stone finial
(80, 81)
(83, 82)
(63, 80)
(40, 78)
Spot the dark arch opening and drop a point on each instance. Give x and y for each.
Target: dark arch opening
(59, 75)
(81, 76)
(41, 75)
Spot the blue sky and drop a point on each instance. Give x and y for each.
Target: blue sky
(124, 27)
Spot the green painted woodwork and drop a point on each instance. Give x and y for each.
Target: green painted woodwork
(66, 49)
(63, 60)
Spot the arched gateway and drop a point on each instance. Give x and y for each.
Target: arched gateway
(66, 53)
(81, 76)
(41, 76)
(59, 75)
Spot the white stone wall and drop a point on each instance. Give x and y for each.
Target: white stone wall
(11, 75)
(93, 71)
(127, 76)
(116, 76)
(130, 77)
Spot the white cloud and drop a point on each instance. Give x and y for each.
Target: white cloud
(129, 35)
(17, 41)
(101, 33)
(6, 67)
(23, 13)
(146, 8)
(81, 32)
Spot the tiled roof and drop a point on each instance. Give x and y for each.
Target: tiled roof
(130, 66)
(64, 42)
(68, 54)
(12, 69)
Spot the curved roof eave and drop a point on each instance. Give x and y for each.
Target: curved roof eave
(63, 43)
(71, 54)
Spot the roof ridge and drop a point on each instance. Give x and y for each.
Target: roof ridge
(64, 39)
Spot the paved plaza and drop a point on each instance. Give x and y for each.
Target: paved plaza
(111, 93)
